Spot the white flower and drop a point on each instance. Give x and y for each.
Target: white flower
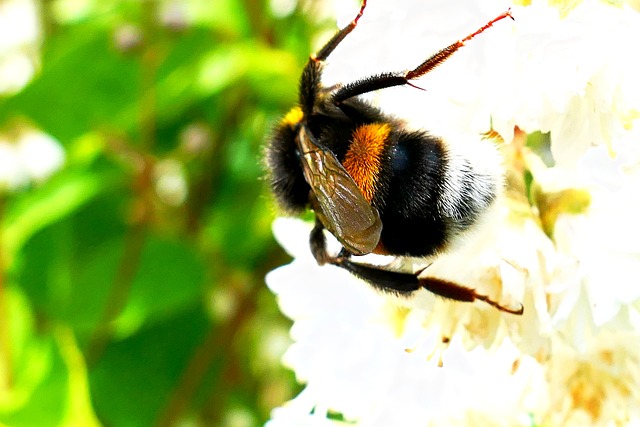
(566, 243)
(569, 75)
(597, 387)
(31, 156)
(370, 359)
(19, 38)
(170, 182)
(12, 175)
(40, 154)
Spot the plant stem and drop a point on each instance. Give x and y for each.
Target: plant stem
(6, 363)
(142, 187)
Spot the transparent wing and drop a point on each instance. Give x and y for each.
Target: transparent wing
(340, 205)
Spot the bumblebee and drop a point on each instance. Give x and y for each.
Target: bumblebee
(377, 186)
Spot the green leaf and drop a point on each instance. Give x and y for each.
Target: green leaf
(70, 268)
(170, 277)
(49, 203)
(67, 268)
(134, 379)
(49, 383)
(84, 83)
(41, 387)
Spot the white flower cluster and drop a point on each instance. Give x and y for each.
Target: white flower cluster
(565, 242)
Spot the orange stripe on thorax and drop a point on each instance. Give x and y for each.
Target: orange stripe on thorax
(364, 157)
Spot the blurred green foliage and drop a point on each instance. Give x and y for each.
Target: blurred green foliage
(124, 300)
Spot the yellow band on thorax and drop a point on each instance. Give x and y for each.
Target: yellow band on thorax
(364, 156)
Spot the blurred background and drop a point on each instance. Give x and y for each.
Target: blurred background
(134, 222)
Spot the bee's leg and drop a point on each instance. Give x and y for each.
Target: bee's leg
(318, 244)
(326, 50)
(439, 57)
(385, 80)
(379, 278)
(457, 292)
(311, 79)
(406, 283)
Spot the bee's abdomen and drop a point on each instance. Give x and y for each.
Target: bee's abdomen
(430, 196)
(411, 222)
